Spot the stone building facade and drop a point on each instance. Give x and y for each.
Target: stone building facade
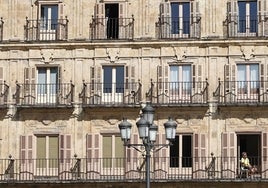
(70, 71)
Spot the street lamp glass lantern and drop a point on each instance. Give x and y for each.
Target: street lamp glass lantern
(153, 131)
(143, 128)
(148, 113)
(170, 127)
(125, 130)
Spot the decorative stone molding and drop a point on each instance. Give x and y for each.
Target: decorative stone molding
(113, 54)
(179, 53)
(47, 56)
(247, 52)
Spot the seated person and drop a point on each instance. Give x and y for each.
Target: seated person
(245, 164)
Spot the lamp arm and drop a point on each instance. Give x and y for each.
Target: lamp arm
(160, 146)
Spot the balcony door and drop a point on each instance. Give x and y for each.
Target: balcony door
(248, 82)
(47, 85)
(113, 84)
(180, 19)
(248, 18)
(48, 22)
(47, 154)
(180, 83)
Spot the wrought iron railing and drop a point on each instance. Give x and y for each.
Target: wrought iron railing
(242, 92)
(44, 94)
(111, 93)
(4, 88)
(131, 169)
(176, 93)
(46, 30)
(178, 27)
(112, 28)
(247, 26)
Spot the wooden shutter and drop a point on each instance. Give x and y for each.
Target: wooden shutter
(2, 79)
(133, 160)
(165, 16)
(197, 76)
(262, 20)
(232, 17)
(29, 75)
(195, 19)
(61, 11)
(65, 148)
(199, 154)
(229, 153)
(100, 27)
(122, 29)
(264, 155)
(230, 77)
(93, 147)
(26, 148)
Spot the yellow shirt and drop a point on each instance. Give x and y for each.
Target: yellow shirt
(245, 161)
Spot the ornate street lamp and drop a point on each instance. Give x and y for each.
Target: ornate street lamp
(147, 133)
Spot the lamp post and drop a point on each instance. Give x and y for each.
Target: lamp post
(147, 133)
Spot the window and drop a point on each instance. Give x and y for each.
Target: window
(111, 15)
(180, 18)
(113, 83)
(113, 151)
(247, 11)
(47, 84)
(181, 151)
(49, 17)
(248, 78)
(47, 147)
(180, 81)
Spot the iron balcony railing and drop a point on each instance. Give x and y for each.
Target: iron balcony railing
(46, 30)
(3, 94)
(1, 29)
(242, 92)
(112, 28)
(178, 27)
(178, 93)
(131, 169)
(120, 94)
(247, 26)
(41, 95)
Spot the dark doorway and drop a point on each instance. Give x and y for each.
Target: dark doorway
(111, 14)
(250, 143)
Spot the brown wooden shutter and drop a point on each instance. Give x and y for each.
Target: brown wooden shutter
(165, 15)
(133, 160)
(93, 147)
(65, 148)
(100, 27)
(61, 11)
(199, 154)
(26, 148)
(229, 153)
(264, 158)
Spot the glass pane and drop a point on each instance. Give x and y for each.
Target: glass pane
(186, 18)
(174, 18)
(242, 16)
(41, 152)
(119, 152)
(42, 80)
(107, 151)
(241, 76)
(174, 153)
(253, 16)
(54, 17)
(120, 79)
(107, 79)
(186, 151)
(187, 77)
(174, 77)
(53, 151)
(254, 76)
(53, 80)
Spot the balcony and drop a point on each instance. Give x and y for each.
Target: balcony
(112, 28)
(46, 30)
(178, 27)
(247, 26)
(3, 94)
(242, 92)
(164, 169)
(111, 94)
(178, 93)
(44, 95)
